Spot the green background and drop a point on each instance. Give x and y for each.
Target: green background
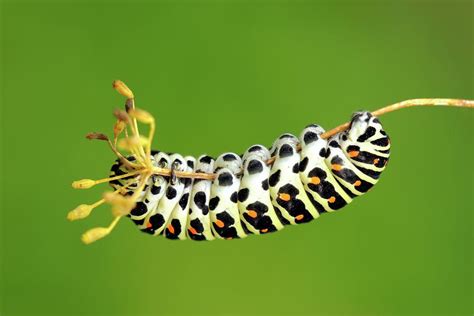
(221, 76)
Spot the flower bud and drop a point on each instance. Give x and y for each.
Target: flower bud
(82, 211)
(128, 143)
(122, 89)
(83, 184)
(142, 116)
(95, 135)
(94, 234)
(120, 205)
(121, 115)
(119, 127)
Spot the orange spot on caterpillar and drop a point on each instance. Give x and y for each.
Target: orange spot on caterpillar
(252, 213)
(149, 225)
(315, 180)
(357, 183)
(332, 199)
(171, 228)
(353, 153)
(219, 223)
(264, 230)
(336, 167)
(192, 230)
(284, 196)
(376, 161)
(299, 217)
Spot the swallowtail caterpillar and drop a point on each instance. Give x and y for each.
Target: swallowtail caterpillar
(233, 196)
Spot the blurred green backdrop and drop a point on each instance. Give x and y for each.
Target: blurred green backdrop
(255, 70)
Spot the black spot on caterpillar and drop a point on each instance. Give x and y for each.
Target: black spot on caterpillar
(254, 166)
(225, 179)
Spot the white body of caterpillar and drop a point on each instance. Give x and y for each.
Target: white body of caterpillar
(250, 197)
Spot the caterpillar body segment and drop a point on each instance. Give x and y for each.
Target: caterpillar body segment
(322, 188)
(286, 189)
(149, 201)
(369, 148)
(155, 220)
(223, 207)
(256, 210)
(349, 176)
(170, 199)
(199, 223)
(176, 229)
(156, 191)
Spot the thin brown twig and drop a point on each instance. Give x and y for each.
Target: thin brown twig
(338, 129)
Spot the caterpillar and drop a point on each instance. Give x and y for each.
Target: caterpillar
(233, 196)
